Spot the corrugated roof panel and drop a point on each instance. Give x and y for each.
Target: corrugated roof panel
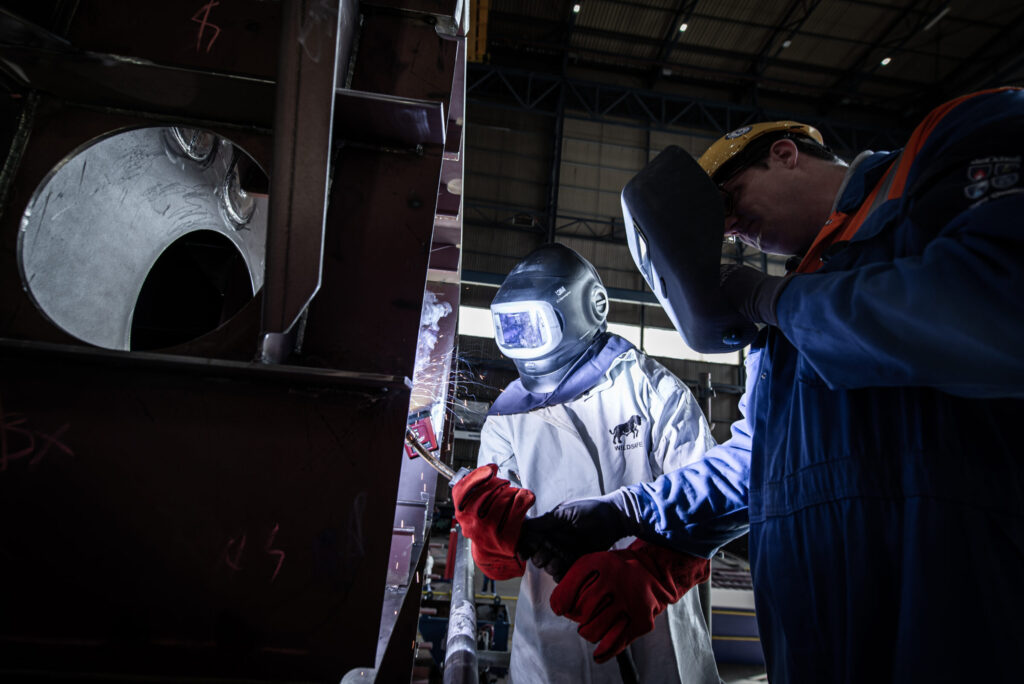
(642, 29)
(797, 82)
(858, 22)
(723, 70)
(542, 9)
(650, 20)
(721, 35)
(612, 49)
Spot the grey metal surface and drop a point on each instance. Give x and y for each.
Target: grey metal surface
(96, 226)
(308, 57)
(198, 366)
(449, 16)
(460, 661)
(370, 117)
(414, 510)
(457, 107)
(41, 60)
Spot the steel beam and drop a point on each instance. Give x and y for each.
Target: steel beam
(307, 77)
(505, 87)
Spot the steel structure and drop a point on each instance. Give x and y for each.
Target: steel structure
(232, 506)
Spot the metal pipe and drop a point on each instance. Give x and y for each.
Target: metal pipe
(460, 662)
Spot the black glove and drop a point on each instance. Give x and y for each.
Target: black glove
(754, 294)
(555, 540)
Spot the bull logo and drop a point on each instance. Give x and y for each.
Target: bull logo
(630, 427)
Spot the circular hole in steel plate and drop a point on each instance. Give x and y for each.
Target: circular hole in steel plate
(146, 238)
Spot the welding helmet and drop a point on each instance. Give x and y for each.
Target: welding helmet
(675, 221)
(546, 314)
(734, 151)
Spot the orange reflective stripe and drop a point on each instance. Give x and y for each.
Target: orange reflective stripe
(840, 227)
(812, 260)
(921, 133)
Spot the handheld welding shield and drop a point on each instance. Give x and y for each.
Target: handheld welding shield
(675, 224)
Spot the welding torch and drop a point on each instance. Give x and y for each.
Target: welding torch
(433, 461)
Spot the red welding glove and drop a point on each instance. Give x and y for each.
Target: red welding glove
(491, 512)
(615, 595)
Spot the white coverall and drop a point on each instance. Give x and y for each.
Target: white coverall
(573, 450)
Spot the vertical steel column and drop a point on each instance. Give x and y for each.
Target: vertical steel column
(556, 156)
(556, 164)
(704, 395)
(460, 664)
(306, 78)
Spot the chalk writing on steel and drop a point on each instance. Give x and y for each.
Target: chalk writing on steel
(234, 551)
(234, 560)
(18, 439)
(274, 552)
(202, 17)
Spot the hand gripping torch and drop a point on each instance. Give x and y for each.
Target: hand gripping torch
(627, 667)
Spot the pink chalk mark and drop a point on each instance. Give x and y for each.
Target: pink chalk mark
(274, 552)
(203, 23)
(52, 441)
(234, 563)
(9, 424)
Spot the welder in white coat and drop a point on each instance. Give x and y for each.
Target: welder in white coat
(590, 413)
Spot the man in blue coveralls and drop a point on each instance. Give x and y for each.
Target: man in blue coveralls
(877, 464)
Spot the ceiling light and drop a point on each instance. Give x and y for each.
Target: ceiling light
(683, 27)
(886, 61)
(786, 43)
(575, 9)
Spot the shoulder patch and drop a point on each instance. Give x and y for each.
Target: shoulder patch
(991, 173)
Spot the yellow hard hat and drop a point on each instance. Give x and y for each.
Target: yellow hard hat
(731, 144)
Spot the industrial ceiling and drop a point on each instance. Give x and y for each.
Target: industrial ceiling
(568, 99)
(820, 56)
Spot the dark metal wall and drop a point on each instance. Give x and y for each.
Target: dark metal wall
(224, 508)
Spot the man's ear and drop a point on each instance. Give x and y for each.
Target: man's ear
(785, 152)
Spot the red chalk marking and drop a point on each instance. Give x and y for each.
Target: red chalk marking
(9, 424)
(234, 563)
(203, 23)
(17, 424)
(274, 552)
(52, 441)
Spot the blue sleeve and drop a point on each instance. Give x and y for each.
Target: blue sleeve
(703, 505)
(951, 316)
